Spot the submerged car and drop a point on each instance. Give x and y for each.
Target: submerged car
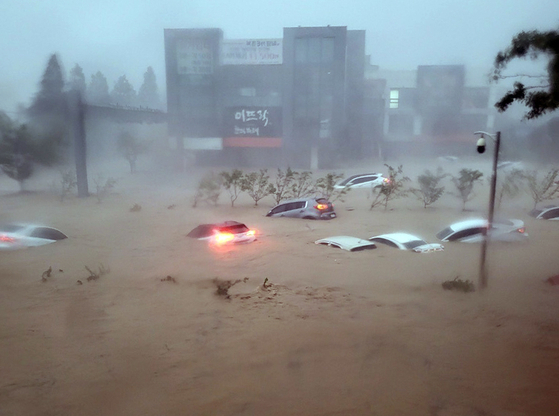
(346, 242)
(364, 180)
(405, 241)
(17, 236)
(228, 232)
(471, 231)
(550, 212)
(306, 208)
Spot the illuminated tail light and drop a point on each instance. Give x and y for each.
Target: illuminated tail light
(222, 238)
(321, 206)
(250, 233)
(7, 239)
(521, 230)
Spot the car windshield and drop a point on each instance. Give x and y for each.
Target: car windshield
(441, 235)
(414, 243)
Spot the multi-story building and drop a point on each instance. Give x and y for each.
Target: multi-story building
(311, 99)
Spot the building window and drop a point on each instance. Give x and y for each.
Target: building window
(394, 98)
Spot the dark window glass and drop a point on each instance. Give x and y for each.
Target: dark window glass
(364, 179)
(278, 209)
(552, 213)
(369, 247)
(441, 235)
(384, 241)
(466, 233)
(48, 233)
(299, 205)
(413, 244)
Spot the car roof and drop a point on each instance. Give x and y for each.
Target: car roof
(471, 223)
(346, 242)
(398, 237)
(206, 230)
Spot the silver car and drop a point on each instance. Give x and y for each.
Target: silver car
(364, 180)
(471, 231)
(306, 208)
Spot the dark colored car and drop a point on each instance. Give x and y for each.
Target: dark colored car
(306, 208)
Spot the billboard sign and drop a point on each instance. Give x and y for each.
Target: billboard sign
(253, 122)
(194, 56)
(252, 52)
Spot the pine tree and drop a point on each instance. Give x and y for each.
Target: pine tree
(148, 95)
(77, 80)
(98, 89)
(50, 100)
(123, 92)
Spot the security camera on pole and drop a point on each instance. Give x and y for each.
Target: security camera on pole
(481, 145)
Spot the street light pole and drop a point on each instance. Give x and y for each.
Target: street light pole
(482, 264)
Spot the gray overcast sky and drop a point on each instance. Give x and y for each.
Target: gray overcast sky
(120, 37)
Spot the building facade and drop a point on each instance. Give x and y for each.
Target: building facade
(311, 100)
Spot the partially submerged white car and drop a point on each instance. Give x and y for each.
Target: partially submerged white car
(347, 243)
(405, 241)
(18, 236)
(471, 231)
(364, 180)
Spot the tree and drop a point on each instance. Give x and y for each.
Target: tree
(123, 92)
(50, 100)
(509, 185)
(232, 182)
(465, 184)
(541, 98)
(148, 95)
(16, 149)
(302, 185)
(429, 190)
(257, 185)
(77, 80)
(48, 115)
(208, 189)
(131, 147)
(392, 189)
(282, 185)
(542, 189)
(325, 186)
(98, 89)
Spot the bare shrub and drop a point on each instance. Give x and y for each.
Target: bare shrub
(257, 185)
(232, 182)
(465, 184)
(325, 187)
(429, 190)
(103, 187)
(391, 189)
(208, 190)
(542, 189)
(68, 183)
(282, 186)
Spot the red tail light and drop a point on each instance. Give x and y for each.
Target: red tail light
(222, 238)
(321, 206)
(7, 239)
(521, 230)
